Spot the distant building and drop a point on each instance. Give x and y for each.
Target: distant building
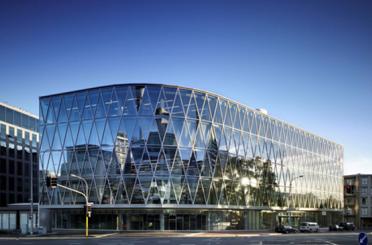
(358, 199)
(19, 166)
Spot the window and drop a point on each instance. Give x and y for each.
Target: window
(19, 152)
(2, 131)
(9, 115)
(3, 183)
(19, 168)
(2, 148)
(365, 181)
(11, 167)
(364, 211)
(11, 132)
(2, 113)
(349, 181)
(3, 166)
(363, 191)
(19, 136)
(11, 184)
(364, 201)
(34, 140)
(11, 150)
(17, 118)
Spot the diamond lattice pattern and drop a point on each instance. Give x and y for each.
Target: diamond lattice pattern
(158, 144)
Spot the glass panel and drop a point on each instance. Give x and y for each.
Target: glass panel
(178, 107)
(185, 96)
(126, 128)
(146, 106)
(177, 127)
(169, 95)
(170, 136)
(106, 98)
(44, 104)
(100, 107)
(129, 108)
(192, 110)
(218, 117)
(199, 98)
(205, 114)
(153, 92)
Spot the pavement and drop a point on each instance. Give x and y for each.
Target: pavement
(194, 239)
(189, 238)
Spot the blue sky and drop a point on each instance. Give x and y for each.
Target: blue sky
(307, 62)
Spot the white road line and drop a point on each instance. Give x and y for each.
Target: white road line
(104, 235)
(331, 243)
(195, 234)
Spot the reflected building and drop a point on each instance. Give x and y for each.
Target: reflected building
(160, 157)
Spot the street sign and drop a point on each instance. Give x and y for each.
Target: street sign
(363, 239)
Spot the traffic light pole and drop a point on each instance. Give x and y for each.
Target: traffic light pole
(86, 203)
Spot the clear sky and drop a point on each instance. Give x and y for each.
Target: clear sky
(307, 62)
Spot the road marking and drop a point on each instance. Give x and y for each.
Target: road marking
(195, 234)
(104, 235)
(331, 243)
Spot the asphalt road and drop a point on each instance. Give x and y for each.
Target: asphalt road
(208, 239)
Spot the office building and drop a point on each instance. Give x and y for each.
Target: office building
(358, 200)
(19, 165)
(161, 157)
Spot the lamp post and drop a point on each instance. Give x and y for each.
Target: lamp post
(87, 204)
(290, 196)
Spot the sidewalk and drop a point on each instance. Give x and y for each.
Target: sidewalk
(80, 234)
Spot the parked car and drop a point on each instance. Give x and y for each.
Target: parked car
(309, 227)
(335, 228)
(347, 226)
(285, 229)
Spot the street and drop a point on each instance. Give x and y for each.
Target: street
(193, 239)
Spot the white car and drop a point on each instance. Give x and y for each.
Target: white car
(309, 227)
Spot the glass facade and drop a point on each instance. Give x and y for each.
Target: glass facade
(171, 148)
(19, 165)
(18, 156)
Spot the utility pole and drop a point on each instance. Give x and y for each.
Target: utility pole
(32, 186)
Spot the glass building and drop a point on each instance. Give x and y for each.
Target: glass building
(161, 157)
(19, 165)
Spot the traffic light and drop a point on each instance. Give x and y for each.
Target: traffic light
(88, 209)
(51, 181)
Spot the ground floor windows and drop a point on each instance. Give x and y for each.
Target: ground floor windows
(186, 220)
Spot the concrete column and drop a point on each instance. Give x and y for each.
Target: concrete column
(209, 221)
(161, 217)
(128, 222)
(119, 221)
(246, 221)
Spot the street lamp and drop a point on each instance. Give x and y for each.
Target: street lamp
(290, 196)
(87, 204)
(84, 180)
